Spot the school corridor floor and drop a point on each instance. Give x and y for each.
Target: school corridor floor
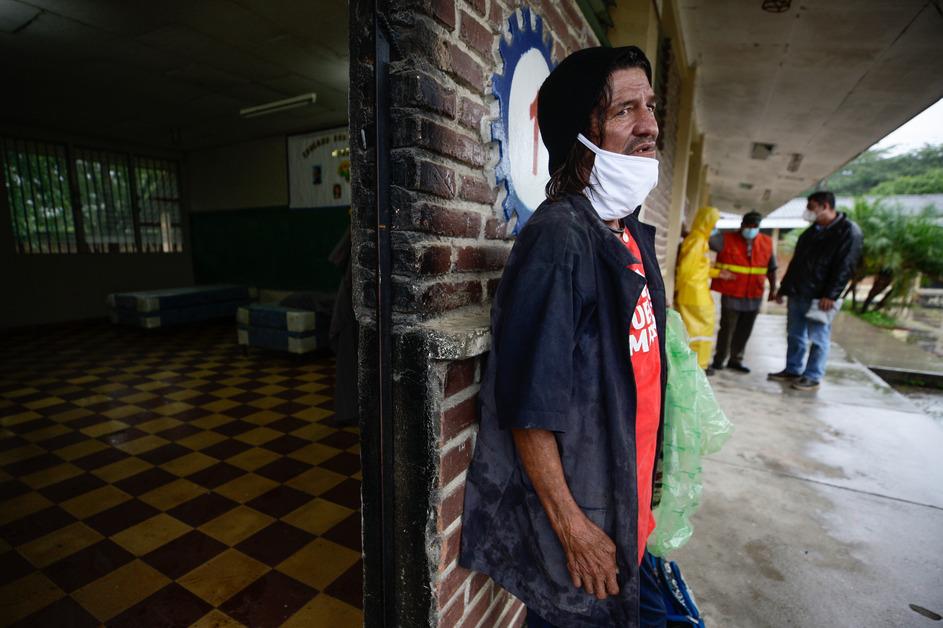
(165, 479)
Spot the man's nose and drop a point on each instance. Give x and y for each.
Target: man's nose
(647, 125)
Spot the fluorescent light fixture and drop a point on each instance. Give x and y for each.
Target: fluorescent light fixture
(279, 105)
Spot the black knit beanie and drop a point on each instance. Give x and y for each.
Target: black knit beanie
(568, 96)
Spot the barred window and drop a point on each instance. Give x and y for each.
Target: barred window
(158, 204)
(90, 201)
(37, 183)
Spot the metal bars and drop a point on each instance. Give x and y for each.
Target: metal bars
(159, 204)
(36, 175)
(105, 194)
(65, 200)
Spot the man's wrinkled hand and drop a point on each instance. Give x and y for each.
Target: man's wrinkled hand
(775, 296)
(590, 557)
(826, 304)
(726, 275)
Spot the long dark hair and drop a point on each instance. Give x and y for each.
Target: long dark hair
(573, 175)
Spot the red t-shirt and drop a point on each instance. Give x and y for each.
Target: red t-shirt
(646, 364)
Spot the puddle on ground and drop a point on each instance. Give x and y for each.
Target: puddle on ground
(928, 400)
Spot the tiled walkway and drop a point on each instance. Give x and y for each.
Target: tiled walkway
(164, 479)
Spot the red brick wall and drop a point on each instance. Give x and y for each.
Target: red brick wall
(463, 598)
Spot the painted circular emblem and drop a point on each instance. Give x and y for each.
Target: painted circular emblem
(524, 159)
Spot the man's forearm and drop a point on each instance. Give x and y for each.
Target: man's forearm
(590, 553)
(540, 457)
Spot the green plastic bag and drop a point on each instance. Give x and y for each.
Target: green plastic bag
(694, 426)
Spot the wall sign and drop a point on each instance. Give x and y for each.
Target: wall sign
(524, 158)
(319, 169)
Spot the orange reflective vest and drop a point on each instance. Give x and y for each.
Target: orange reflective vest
(750, 271)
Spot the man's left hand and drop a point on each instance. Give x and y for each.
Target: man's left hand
(826, 304)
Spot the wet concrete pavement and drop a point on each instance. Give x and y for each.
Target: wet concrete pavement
(880, 348)
(825, 508)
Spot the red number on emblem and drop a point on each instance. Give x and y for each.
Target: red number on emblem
(533, 116)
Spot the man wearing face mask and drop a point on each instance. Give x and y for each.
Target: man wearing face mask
(748, 256)
(825, 258)
(558, 501)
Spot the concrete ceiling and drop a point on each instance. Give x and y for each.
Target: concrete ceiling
(825, 80)
(172, 73)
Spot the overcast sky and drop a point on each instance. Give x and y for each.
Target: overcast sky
(925, 128)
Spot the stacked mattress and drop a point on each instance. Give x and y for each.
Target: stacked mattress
(161, 308)
(282, 328)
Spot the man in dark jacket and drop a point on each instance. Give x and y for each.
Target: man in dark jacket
(559, 494)
(825, 258)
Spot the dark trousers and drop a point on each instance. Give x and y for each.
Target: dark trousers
(652, 613)
(735, 330)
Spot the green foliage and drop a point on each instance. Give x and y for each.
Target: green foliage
(38, 194)
(874, 168)
(897, 247)
(930, 182)
(787, 243)
(878, 319)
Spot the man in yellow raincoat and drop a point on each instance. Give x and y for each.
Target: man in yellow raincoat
(692, 284)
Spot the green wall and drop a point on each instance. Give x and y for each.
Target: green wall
(268, 247)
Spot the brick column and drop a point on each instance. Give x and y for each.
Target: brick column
(449, 248)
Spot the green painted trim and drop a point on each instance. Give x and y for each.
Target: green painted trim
(594, 22)
(268, 247)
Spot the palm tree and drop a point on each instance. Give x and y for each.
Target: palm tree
(897, 249)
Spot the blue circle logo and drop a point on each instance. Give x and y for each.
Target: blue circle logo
(523, 167)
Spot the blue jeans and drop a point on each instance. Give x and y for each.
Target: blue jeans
(800, 331)
(651, 607)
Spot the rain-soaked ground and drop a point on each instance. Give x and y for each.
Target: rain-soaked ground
(914, 350)
(925, 329)
(929, 400)
(824, 508)
(897, 350)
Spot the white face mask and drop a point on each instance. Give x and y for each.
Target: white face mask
(619, 183)
(809, 215)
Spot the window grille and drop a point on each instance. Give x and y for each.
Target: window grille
(158, 197)
(91, 200)
(105, 196)
(37, 182)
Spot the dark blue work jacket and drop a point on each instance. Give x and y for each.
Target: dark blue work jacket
(560, 361)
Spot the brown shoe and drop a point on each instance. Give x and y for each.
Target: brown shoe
(804, 383)
(784, 376)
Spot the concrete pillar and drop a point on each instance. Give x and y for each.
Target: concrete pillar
(680, 180)
(635, 23)
(697, 174)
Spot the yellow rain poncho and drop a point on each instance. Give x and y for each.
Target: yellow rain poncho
(692, 284)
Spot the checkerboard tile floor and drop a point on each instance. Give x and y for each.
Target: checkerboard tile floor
(165, 479)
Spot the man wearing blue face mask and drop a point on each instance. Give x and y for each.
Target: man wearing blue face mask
(748, 255)
(558, 500)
